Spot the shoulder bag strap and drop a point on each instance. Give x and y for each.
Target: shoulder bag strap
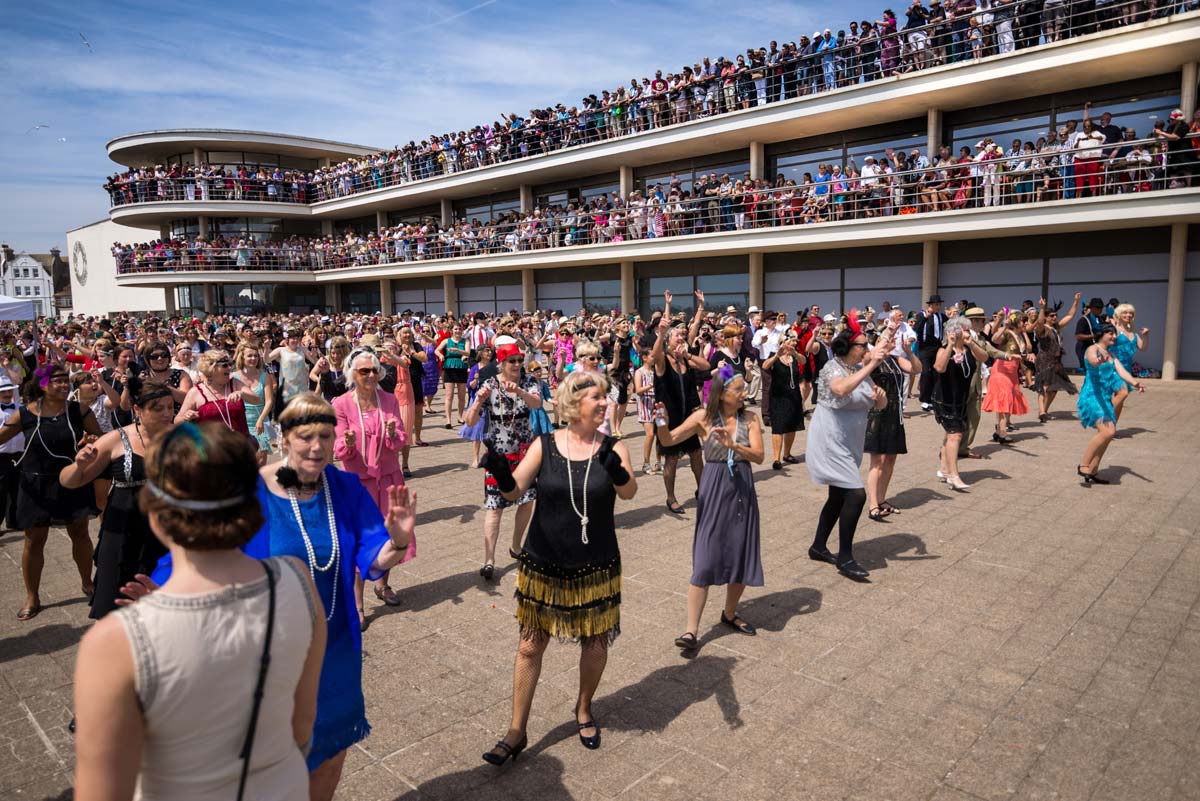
(264, 663)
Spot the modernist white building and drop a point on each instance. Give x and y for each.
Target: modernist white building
(1141, 247)
(25, 277)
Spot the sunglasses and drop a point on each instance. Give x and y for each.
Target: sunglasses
(159, 356)
(591, 358)
(513, 361)
(368, 371)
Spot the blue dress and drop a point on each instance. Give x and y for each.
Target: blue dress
(1095, 399)
(1124, 350)
(341, 714)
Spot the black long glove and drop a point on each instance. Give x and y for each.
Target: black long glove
(497, 464)
(611, 462)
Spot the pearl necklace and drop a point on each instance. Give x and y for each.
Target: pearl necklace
(583, 516)
(222, 410)
(334, 556)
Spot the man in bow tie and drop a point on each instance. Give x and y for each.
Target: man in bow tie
(9, 453)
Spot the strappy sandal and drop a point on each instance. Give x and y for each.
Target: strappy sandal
(674, 507)
(687, 641)
(876, 513)
(387, 595)
(29, 612)
(888, 509)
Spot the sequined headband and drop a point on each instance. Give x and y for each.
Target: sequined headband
(288, 425)
(194, 505)
(153, 396)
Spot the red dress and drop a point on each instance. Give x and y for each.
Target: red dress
(230, 412)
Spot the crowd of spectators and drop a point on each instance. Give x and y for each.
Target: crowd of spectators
(919, 38)
(1076, 161)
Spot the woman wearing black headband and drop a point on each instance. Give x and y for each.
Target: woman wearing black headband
(127, 546)
(54, 429)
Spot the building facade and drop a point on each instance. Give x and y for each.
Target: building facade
(30, 276)
(854, 244)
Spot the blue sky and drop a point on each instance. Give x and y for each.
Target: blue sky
(373, 73)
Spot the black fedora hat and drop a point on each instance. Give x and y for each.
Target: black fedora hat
(934, 298)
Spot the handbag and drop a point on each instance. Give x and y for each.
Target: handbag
(263, 663)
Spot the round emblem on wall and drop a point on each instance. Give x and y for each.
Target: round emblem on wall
(79, 263)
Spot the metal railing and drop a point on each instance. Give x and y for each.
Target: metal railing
(983, 181)
(130, 190)
(972, 31)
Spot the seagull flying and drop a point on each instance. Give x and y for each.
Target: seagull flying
(34, 128)
(86, 43)
(62, 138)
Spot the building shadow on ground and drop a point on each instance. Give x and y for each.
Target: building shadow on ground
(540, 778)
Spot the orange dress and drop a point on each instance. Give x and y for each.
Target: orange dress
(1004, 394)
(404, 397)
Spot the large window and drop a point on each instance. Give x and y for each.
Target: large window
(360, 298)
(487, 208)
(687, 174)
(580, 191)
(236, 158)
(429, 300)
(415, 216)
(186, 228)
(720, 292)
(260, 229)
(597, 297)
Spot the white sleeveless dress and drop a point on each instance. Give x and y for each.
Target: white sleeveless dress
(196, 661)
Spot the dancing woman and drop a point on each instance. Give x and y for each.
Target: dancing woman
(220, 396)
(1104, 378)
(675, 387)
(955, 363)
(845, 394)
(1004, 395)
(885, 429)
(55, 428)
(1050, 376)
(166, 688)
(569, 572)
(1125, 348)
(453, 352)
(725, 549)
(325, 518)
(786, 390)
(126, 546)
(370, 434)
(507, 398)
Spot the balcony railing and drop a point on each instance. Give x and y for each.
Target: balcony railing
(986, 181)
(992, 28)
(205, 188)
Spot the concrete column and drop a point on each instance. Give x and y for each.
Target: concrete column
(380, 220)
(758, 162)
(447, 212)
(210, 299)
(326, 227)
(933, 133)
(528, 290)
(756, 280)
(203, 227)
(1176, 273)
(450, 293)
(323, 162)
(626, 183)
(929, 268)
(169, 301)
(333, 298)
(1187, 92)
(526, 198)
(164, 230)
(385, 296)
(628, 288)
(197, 156)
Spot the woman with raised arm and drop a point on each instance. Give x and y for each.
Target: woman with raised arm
(220, 396)
(126, 546)
(55, 429)
(886, 438)
(205, 689)
(956, 361)
(836, 437)
(1050, 377)
(1103, 376)
(1004, 395)
(324, 517)
(569, 571)
(725, 549)
(786, 369)
(1125, 349)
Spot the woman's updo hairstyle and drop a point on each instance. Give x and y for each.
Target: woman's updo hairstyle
(142, 392)
(570, 390)
(1105, 328)
(956, 324)
(201, 487)
(842, 343)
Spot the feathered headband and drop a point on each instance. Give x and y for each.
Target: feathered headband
(726, 372)
(852, 322)
(44, 372)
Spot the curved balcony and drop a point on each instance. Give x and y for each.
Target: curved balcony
(154, 199)
(974, 199)
(145, 147)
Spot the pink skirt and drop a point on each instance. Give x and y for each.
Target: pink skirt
(1004, 394)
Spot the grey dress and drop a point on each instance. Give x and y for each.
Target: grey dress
(725, 549)
(837, 433)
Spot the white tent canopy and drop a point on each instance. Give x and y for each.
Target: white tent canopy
(14, 309)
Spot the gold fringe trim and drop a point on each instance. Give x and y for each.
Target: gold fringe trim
(568, 593)
(585, 604)
(571, 624)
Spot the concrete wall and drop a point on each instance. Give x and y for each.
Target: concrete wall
(99, 294)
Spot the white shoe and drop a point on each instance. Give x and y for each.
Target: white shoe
(647, 469)
(957, 483)
(941, 476)
(927, 407)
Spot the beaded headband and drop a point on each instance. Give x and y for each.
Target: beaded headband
(288, 425)
(194, 505)
(153, 396)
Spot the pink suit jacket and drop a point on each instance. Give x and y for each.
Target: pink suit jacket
(355, 459)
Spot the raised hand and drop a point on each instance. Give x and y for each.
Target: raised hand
(350, 438)
(699, 296)
(667, 296)
(135, 590)
(86, 456)
(401, 520)
(611, 462)
(1143, 331)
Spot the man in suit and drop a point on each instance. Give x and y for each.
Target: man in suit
(929, 329)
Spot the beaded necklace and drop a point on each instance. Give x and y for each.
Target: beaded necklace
(335, 550)
(362, 426)
(582, 515)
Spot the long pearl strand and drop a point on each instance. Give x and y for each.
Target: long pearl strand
(335, 555)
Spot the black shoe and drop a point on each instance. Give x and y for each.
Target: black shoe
(1088, 478)
(776, 465)
(853, 570)
(821, 555)
(513, 554)
(791, 459)
(744, 627)
(1002, 440)
(593, 742)
(687, 641)
(448, 426)
(876, 513)
(510, 751)
(487, 571)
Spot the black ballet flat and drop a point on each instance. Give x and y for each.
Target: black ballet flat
(487, 571)
(687, 641)
(1002, 440)
(821, 555)
(853, 570)
(743, 627)
(776, 465)
(593, 742)
(674, 508)
(510, 751)
(448, 426)
(791, 460)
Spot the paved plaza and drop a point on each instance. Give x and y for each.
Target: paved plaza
(1028, 639)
